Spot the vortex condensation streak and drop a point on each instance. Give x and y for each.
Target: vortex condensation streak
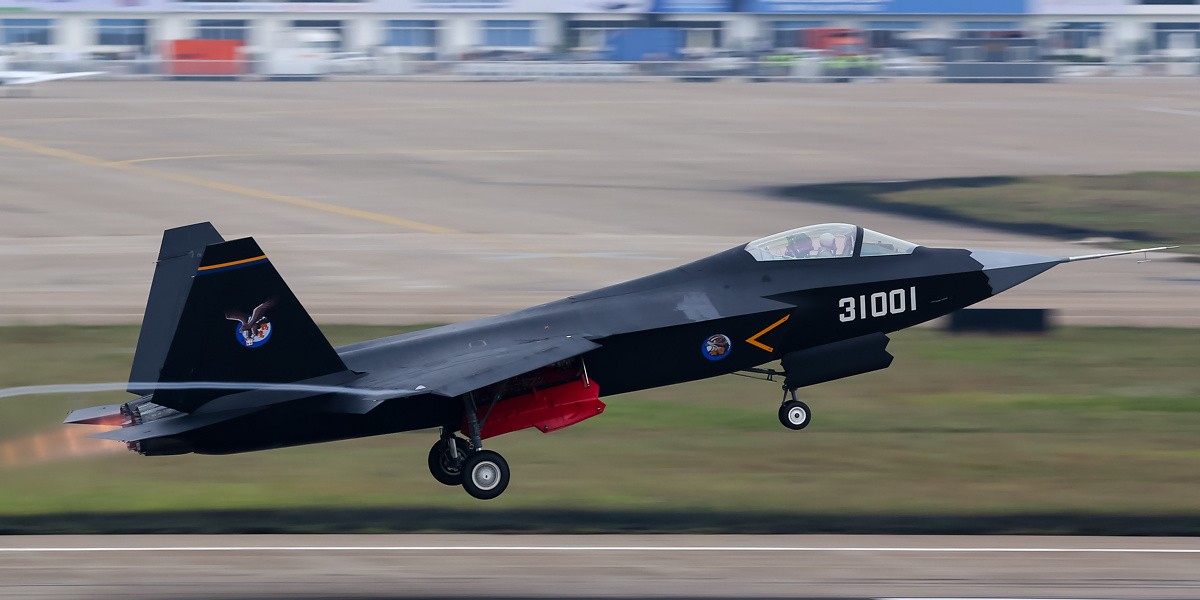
(241, 386)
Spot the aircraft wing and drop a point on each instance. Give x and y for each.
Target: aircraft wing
(455, 375)
(447, 376)
(32, 77)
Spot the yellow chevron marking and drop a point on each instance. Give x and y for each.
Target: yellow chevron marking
(753, 340)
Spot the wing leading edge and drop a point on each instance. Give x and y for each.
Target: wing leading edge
(459, 374)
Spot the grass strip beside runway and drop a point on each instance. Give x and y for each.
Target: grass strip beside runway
(1084, 430)
(1143, 208)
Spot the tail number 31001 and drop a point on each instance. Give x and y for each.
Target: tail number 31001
(879, 304)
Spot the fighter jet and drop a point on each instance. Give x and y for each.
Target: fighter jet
(228, 361)
(29, 78)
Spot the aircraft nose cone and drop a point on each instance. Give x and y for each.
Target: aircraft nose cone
(1007, 269)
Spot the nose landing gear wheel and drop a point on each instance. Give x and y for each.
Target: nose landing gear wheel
(795, 415)
(444, 467)
(485, 474)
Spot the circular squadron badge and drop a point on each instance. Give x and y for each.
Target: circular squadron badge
(717, 346)
(253, 329)
(254, 335)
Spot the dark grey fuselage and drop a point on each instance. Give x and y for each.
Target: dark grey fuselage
(653, 331)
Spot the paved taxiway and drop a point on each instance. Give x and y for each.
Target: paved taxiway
(420, 202)
(498, 566)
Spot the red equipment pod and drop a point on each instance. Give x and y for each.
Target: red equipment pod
(547, 410)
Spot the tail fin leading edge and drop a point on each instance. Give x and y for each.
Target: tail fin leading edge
(178, 257)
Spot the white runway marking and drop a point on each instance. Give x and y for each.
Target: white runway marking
(600, 549)
(1172, 111)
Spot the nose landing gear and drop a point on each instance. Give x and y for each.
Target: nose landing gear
(794, 414)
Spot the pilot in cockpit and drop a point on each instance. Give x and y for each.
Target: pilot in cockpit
(799, 246)
(835, 245)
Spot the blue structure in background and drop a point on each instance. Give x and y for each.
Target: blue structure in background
(692, 6)
(888, 7)
(645, 43)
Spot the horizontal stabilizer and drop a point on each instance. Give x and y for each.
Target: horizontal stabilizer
(97, 415)
(172, 426)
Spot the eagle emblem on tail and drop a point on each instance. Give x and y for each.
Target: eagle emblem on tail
(253, 330)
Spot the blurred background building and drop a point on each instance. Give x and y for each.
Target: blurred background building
(1083, 30)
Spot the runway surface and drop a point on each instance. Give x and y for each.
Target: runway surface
(499, 566)
(397, 202)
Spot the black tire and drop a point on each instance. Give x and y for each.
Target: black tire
(442, 465)
(485, 475)
(795, 415)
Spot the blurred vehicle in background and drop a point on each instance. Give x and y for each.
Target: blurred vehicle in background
(844, 51)
(996, 59)
(496, 55)
(203, 58)
(849, 67)
(833, 40)
(352, 63)
(898, 62)
(304, 54)
(713, 66)
(793, 65)
(1181, 57)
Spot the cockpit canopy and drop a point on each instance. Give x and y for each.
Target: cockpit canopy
(828, 240)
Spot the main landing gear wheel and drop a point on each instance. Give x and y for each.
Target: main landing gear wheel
(445, 467)
(795, 415)
(485, 474)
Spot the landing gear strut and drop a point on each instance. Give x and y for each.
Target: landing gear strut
(454, 461)
(446, 458)
(793, 413)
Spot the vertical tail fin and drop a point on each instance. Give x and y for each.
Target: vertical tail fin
(236, 321)
(178, 257)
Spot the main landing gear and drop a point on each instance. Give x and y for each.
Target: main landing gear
(455, 461)
(446, 458)
(482, 473)
(793, 413)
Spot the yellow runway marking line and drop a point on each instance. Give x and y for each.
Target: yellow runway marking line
(401, 152)
(399, 111)
(223, 187)
(296, 201)
(55, 152)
